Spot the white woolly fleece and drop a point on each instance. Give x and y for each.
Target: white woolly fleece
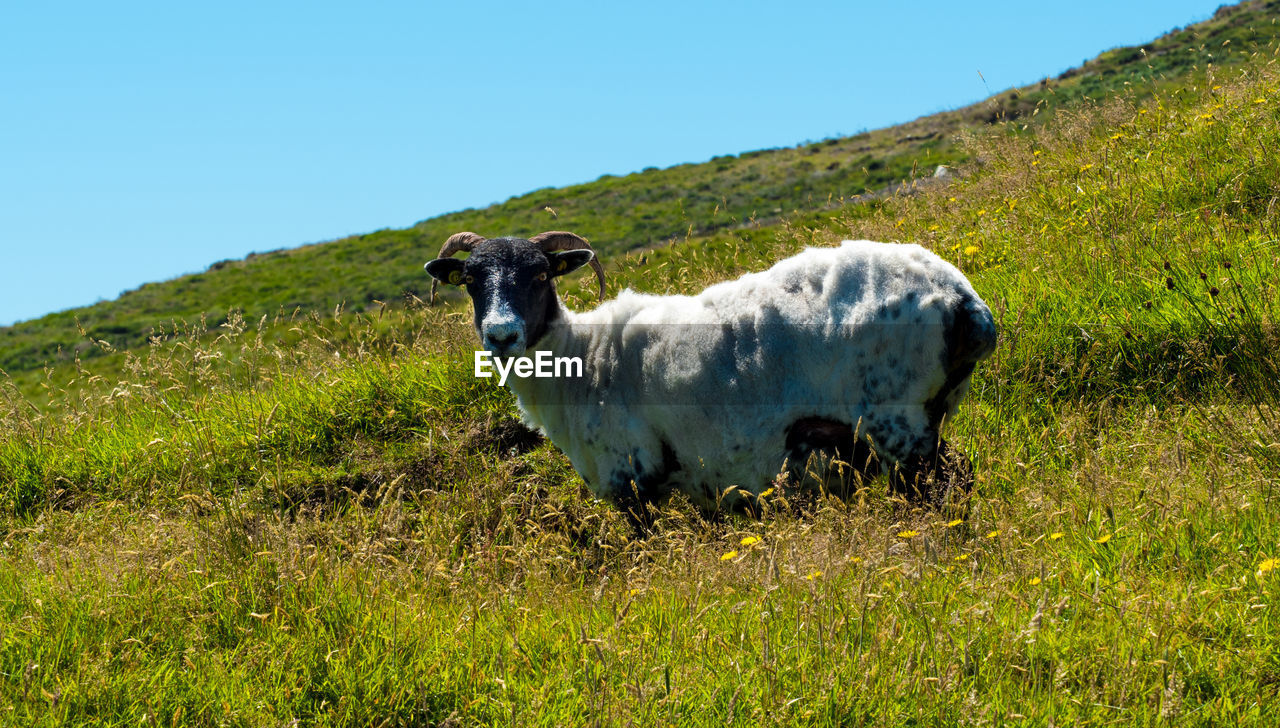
(853, 333)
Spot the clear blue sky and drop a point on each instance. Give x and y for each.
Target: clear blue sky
(140, 141)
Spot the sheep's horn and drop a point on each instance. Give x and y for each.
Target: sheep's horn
(554, 240)
(457, 243)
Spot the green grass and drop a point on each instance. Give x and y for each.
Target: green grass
(326, 520)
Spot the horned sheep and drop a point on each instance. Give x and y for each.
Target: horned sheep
(858, 352)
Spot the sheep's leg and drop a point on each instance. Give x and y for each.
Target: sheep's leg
(926, 477)
(955, 469)
(931, 477)
(637, 484)
(829, 441)
(636, 508)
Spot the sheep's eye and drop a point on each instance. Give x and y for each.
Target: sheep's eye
(470, 279)
(542, 276)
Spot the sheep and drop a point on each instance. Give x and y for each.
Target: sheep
(856, 353)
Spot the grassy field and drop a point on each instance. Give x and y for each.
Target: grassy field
(324, 519)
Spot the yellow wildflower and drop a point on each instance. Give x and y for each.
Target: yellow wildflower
(908, 534)
(730, 555)
(1103, 539)
(748, 541)
(972, 250)
(813, 575)
(992, 534)
(955, 523)
(1268, 565)
(1034, 580)
(1056, 535)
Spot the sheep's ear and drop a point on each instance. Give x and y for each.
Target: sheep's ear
(569, 260)
(446, 270)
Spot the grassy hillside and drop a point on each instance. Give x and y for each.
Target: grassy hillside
(622, 213)
(341, 528)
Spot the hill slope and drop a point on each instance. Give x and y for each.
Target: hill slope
(624, 213)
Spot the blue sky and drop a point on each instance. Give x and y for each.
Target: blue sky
(141, 141)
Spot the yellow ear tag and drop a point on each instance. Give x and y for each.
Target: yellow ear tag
(455, 278)
(562, 266)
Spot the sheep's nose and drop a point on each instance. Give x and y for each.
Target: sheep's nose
(502, 342)
(503, 337)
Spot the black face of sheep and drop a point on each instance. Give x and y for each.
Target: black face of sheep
(511, 283)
